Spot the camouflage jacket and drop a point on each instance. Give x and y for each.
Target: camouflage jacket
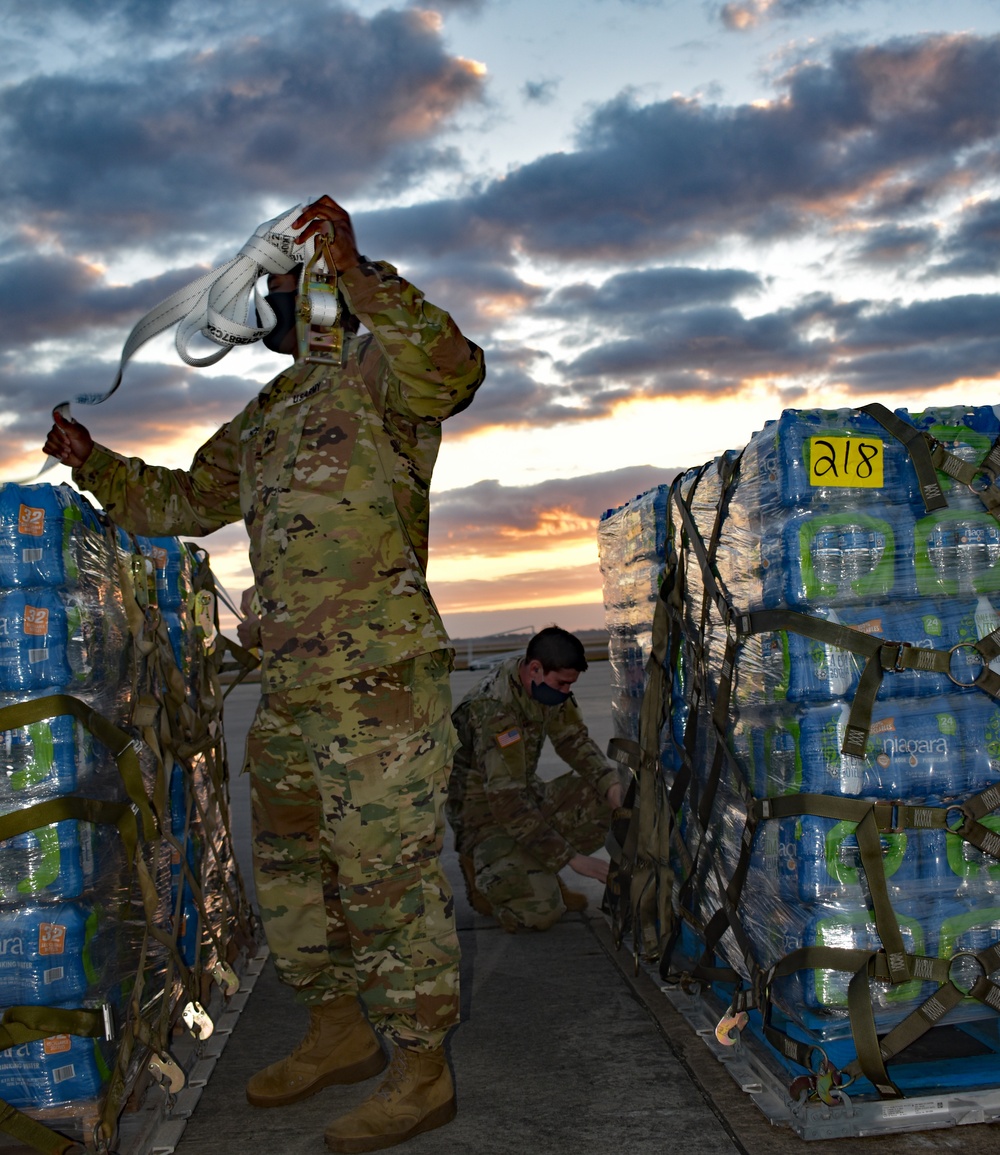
(501, 730)
(330, 467)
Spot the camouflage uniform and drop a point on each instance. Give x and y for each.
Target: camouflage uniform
(519, 830)
(330, 468)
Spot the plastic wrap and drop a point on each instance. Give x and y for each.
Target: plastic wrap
(98, 636)
(631, 545)
(821, 520)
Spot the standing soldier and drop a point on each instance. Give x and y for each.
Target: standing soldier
(330, 468)
(514, 832)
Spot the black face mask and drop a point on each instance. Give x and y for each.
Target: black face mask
(283, 305)
(547, 695)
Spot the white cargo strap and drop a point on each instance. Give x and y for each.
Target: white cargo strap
(217, 304)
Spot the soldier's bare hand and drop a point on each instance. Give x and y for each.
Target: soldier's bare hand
(68, 441)
(326, 216)
(589, 866)
(248, 630)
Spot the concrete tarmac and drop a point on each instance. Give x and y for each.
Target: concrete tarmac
(561, 1048)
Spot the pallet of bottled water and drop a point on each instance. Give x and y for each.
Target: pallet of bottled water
(836, 871)
(631, 547)
(119, 905)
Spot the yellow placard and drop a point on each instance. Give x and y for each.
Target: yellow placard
(856, 462)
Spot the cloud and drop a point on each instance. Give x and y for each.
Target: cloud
(670, 333)
(540, 91)
(142, 16)
(652, 290)
(874, 130)
(893, 244)
(743, 15)
(867, 346)
(153, 148)
(490, 519)
(974, 247)
(162, 411)
(511, 394)
(920, 346)
(43, 298)
(527, 591)
(471, 6)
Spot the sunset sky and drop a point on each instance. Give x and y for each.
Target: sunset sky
(664, 220)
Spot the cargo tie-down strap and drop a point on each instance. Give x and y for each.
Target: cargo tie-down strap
(693, 598)
(928, 456)
(173, 733)
(640, 841)
(882, 656)
(135, 821)
(216, 305)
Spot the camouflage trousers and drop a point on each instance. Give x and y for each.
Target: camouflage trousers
(347, 788)
(523, 892)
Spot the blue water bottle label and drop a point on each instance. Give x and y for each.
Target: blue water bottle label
(52, 1071)
(42, 954)
(32, 641)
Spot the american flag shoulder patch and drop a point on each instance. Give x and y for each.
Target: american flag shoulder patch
(508, 737)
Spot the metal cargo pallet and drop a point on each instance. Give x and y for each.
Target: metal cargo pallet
(758, 1075)
(156, 1128)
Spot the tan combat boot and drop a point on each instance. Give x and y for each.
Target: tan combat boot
(572, 899)
(416, 1095)
(340, 1047)
(477, 900)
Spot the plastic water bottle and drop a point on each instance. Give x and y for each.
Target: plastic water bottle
(42, 953)
(36, 524)
(987, 620)
(917, 748)
(50, 862)
(32, 640)
(827, 557)
(966, 432)
(935, 878)
(942, 551)
(830, 865)
(60, 639)
(977, 549)
(819, 672)
(962, 931)
(976, 875)
(841, 926)
(180, 645)
(825, 769)
(44, 759)
(836, 480)
(49, 1072)
(930, 625)
(979, 731)
(846, 559)
(861, 550)
(171, 570)
(914, 751)
(781, 759)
